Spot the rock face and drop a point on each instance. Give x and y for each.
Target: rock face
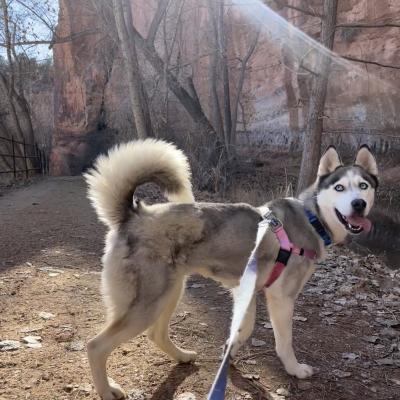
(92, 107)
(81, 74)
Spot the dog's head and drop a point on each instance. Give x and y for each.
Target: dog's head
(345, 194)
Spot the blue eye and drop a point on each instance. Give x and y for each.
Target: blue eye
(363, 186)
(339, 188)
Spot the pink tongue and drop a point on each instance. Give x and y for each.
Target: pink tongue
(360, 221)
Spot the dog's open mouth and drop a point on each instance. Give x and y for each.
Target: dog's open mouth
(354, 224)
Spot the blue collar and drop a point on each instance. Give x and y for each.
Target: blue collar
(319, 228)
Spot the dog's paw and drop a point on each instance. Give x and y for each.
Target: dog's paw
(301, 371)
(186, 357)
(235, 348)
(114, 393)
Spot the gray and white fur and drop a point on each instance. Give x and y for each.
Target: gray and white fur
(151, 249)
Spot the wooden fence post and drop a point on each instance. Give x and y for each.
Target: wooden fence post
(13, 156)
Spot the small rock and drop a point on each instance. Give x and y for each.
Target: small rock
(75, 346)
(389, 333)
(395, 381)
(299, 318)
(350, 356)
(32, 339)
(267, 325)
(183, 314)
(53, 274)
(282, 392)
(9, 345)
(34, 345)
(33, 342)
(31, 329)
(46, 315)
(341, 374)
(388, 361)
(186, 396)
(251, 362)
(325, 313)
(85, 388)
(255, 377)
(370, 339)
(257, 343)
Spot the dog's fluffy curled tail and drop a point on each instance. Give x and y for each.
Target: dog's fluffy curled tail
(115, 177)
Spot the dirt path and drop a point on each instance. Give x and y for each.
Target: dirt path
(348, 319)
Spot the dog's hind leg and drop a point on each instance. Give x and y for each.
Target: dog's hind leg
(158, 333)
(141, 314)
(246, 327)
(280, 309)
(100, 347)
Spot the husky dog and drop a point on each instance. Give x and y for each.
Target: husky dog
(150, 249)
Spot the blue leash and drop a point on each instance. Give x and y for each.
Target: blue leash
(242, 301)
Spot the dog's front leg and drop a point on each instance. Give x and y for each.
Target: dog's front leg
(280, 309)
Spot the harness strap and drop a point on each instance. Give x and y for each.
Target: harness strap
(287, 248)
(318, 227)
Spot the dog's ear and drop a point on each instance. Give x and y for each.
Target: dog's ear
(366, 160)
(329, 161)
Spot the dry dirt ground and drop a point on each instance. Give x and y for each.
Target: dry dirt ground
(347, 320)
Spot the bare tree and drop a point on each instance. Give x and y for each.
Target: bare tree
(226, 116)
(222, 49)
(313, 134)
(131, 63)
(242, 76)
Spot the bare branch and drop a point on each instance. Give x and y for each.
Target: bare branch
(242, 76)
(191, 104)
(54, 41)
(369, 25)
(307, 11)
(155, 23)
(33, 11)
(370, 62)
(28, 43)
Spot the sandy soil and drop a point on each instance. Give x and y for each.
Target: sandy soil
(348, 319)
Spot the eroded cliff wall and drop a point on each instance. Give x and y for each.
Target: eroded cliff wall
(91, 102)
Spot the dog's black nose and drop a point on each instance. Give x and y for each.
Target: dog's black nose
(359, 205)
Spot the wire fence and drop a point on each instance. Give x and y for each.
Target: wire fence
(22, 158)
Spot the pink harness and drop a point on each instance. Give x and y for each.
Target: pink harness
(287, 248)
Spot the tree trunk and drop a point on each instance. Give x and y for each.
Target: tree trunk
(225, 78)
(144, 99)
(131, 67)
(313, 134)
(214, 64)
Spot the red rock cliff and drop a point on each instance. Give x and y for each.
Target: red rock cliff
(363, 105)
